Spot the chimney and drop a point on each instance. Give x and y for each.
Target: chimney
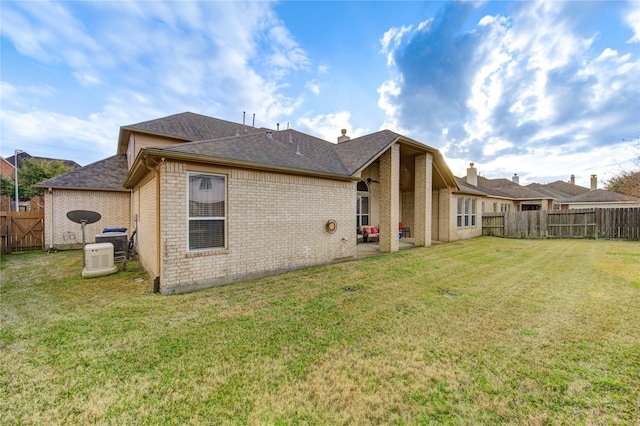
(573, 180)
(472, 175)
(516, 178)
(594, 182)
(344, 136)
(278, 126)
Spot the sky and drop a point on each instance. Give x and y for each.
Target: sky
(542, 89)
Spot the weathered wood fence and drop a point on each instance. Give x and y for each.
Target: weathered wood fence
(21, 231)
(618, 223)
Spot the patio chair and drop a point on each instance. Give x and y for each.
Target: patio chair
(370, 234)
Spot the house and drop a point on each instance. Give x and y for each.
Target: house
(6, 168)
(215, 202)
(35, 203)
(568, 195)
(477, 195)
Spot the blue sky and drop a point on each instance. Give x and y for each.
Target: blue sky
(542, 89)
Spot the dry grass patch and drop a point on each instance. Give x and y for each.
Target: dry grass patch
(480, 331)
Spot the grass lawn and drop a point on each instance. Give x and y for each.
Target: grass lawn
(480, 331)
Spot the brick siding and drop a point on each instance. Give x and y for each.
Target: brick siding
(275, 222)
(62, 233)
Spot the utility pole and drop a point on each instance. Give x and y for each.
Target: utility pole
(15, 170)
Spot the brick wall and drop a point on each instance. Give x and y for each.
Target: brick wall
(62, 233)
(389, 199)
(275, 222)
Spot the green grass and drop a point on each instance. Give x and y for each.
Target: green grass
(481, 331)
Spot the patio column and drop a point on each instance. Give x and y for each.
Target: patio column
(390, 199)
(422, 202)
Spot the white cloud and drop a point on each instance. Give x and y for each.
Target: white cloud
(632, 19)
(392, 39)
(144, 60)
(329, 126)
(313, 86)
(510, 87)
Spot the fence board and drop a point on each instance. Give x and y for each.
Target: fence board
(606, 223)
(21, 231)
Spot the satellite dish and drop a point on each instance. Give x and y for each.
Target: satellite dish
(83, 217)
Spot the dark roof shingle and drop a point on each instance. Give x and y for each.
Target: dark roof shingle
(107, 174)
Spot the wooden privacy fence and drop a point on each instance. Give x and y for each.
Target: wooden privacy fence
(21, 231)
(613, 223)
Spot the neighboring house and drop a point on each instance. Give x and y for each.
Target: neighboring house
(35, 203)
(568, 195)
(215, 202)
(6, 169)
(497, 195)
(25, 155)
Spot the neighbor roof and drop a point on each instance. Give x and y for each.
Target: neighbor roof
(600, 196)
(25, 155)
(559, 190)
(107, 174)
(186, 126)
(508, 189)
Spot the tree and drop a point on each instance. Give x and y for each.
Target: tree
(627, 181)
(6, 186)
(33, 171)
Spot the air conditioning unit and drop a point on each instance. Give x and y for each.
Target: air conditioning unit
(118, 239)
(98, 260)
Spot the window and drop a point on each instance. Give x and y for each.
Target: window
(473, 212)
(466, 212)
(362, 206)
(207, 211)
(362, 211)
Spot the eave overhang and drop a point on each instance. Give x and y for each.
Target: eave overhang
(148, 157)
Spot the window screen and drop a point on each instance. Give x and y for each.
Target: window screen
(207, 211)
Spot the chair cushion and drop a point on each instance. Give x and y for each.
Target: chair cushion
(374, 230)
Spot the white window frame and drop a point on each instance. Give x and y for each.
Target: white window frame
(207, 218)
(466, 212)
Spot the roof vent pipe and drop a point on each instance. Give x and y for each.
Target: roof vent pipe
(278, 127)
(254, 120)
(243, 115)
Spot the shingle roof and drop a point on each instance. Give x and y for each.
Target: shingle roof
(465, 188)
(559, 190)
(507, 188)
(291, 149)
(25, 155)
(107, 174)
(599, 196)
(359, 151)
(192, 127)
(286, 148)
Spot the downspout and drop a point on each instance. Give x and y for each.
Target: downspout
(156, 172)
(51, 238)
